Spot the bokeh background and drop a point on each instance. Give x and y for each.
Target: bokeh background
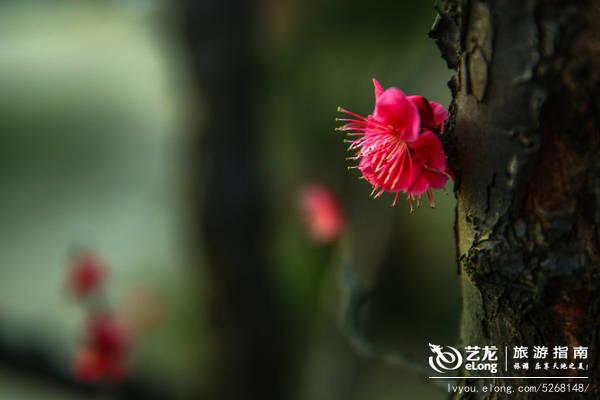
(135, 127)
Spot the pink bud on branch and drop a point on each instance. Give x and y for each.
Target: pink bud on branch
(105, 354)
(86, 275)
(322, 212)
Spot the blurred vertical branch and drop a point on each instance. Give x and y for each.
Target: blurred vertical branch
(251, 340)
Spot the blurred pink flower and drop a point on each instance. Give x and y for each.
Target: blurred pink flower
(322, 213)
(86, 275)
(397, 147)
(105, 353)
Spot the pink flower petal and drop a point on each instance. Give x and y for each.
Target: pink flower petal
(431, 161)
(378, 88)
(439, 115)
(428, 149)
(419, 186)
(437, 180)
(394, 109)
(433, 115)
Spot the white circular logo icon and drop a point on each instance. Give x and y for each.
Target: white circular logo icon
(444, 359)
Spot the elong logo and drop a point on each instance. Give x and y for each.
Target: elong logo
(443, 361)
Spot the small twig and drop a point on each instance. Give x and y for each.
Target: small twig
(357, 297)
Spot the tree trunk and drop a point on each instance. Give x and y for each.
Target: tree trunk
(523, 142)
(251, 358)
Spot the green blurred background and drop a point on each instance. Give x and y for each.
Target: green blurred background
(95, 122)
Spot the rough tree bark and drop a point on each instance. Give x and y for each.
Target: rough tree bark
(524, 143)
